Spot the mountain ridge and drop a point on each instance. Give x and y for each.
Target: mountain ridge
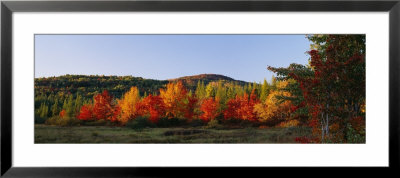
(190, 77)
(193, 79)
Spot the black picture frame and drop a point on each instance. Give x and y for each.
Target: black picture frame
(8, 7)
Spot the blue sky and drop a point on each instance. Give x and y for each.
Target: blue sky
(242, 57)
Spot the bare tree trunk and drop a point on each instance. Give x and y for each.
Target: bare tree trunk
(327, 124)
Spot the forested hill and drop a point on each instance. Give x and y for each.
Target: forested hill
(88, 85)
(207, 78)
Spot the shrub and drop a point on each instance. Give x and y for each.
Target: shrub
(291, 123)
(139, 123)
(58, 121)
(352, 136)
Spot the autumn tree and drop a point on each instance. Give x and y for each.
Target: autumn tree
(298, 109)
(86, 112)
(253, 100)
(128, 105)
(335, 93)
(152, 107)
(233, 108)
(242, 107)
(62, 113)
(174, 97)
(273, 109)
(103, 107)
(191, 106)
(209, 107)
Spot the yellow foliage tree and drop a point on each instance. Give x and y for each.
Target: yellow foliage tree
(128, 105)
(174, 98)
(273, 108)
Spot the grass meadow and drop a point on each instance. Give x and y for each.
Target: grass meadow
(107, 134)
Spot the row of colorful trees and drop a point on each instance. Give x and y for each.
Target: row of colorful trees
(175, 101)
(54, 94)
(49, 105)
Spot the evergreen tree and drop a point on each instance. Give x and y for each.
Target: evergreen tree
(200, 90)
(210, 92)
(221, 95)
(78, 103)
(273, 83)
(54, 109)
(68, 106)
(230, 92)
(43, 110)
(264, 90)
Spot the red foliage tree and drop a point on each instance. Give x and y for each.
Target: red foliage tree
(336, 91)
(189, 110)
(103, 107)
(152, 106)
(253, 100)
(116, 113)
(86, 112)
(209, 107)
(242, 107)
(62, 113)
(233, 108)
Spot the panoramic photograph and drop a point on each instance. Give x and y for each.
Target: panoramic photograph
(200, 88)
